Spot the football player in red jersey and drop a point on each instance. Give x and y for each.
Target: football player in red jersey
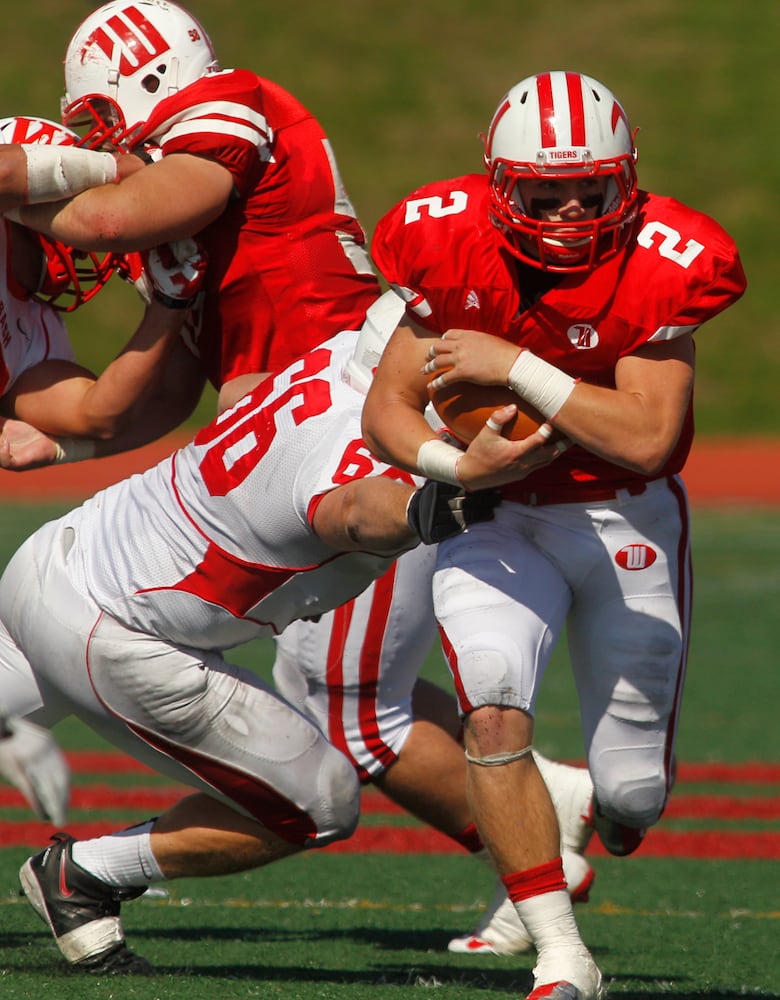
(239, 162)
(565, 281)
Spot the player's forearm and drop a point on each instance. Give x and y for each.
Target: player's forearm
(37, 172)
(116, 400)
(394, 429)
(366, 515)
(636, 425)
(13, 177)
(98, 221)
(166, 201)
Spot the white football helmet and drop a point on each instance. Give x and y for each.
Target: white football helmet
(568, 126)
(69, 277)
(29, 129)
(125, 58)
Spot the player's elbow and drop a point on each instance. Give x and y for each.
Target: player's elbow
(372, 429)
(103, 424)
(353, 520)
(375, 446)
(650, 454)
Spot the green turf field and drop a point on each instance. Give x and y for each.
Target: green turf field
(693, 914)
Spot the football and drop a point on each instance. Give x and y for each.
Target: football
(464, 407)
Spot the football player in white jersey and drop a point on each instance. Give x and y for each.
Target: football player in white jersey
(566, 282)
(120, 611)
(29, 757)
(40, 380)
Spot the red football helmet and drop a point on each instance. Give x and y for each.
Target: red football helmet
(564, 126)
(69, 277)
(125, 58)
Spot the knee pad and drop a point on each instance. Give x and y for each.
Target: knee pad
(632, 800)
(337, 809)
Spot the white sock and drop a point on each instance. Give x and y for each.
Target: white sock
(549, 919)
(122, 859)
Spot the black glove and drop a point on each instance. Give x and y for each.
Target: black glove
(439, 510)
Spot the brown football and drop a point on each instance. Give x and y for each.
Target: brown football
(465, 407)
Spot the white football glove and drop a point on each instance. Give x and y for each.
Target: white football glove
(176, 272)
(31, 760)
(171, 273)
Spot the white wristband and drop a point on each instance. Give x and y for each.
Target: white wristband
(73, 450)
(438, 460)
(57, 172)
(540, 383)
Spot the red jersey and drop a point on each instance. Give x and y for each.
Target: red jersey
(288, 265)
(679, 269)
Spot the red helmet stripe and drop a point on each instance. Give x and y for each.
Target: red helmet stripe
(546, 110)
(493, 125)
(619, 115)
(137, 40)
(576, 109)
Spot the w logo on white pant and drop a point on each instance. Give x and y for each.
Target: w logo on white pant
(638, 556)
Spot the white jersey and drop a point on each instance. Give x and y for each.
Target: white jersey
(214, 546)
(30, 332)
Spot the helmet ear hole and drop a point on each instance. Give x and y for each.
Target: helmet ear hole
(151, 84)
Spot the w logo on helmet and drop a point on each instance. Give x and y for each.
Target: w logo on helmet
(36, 130)
(130, 35)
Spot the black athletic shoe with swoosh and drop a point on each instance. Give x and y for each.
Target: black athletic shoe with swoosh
(81, 910)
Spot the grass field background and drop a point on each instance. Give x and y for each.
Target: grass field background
(404, 91)
(693, 914)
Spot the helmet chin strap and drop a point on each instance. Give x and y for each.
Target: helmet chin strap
(172, 76)
(113, 84)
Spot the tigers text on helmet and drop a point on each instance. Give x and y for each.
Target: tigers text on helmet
(561, 126)
(69, 277)
(125, 58)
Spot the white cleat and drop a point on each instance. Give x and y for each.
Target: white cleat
(571, 791)
(499, 932)
(502, 932)
(566, 976)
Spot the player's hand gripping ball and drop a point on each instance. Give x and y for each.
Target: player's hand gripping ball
(464, 408)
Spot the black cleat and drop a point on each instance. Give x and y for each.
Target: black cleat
(618, 839)
(81, 910)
